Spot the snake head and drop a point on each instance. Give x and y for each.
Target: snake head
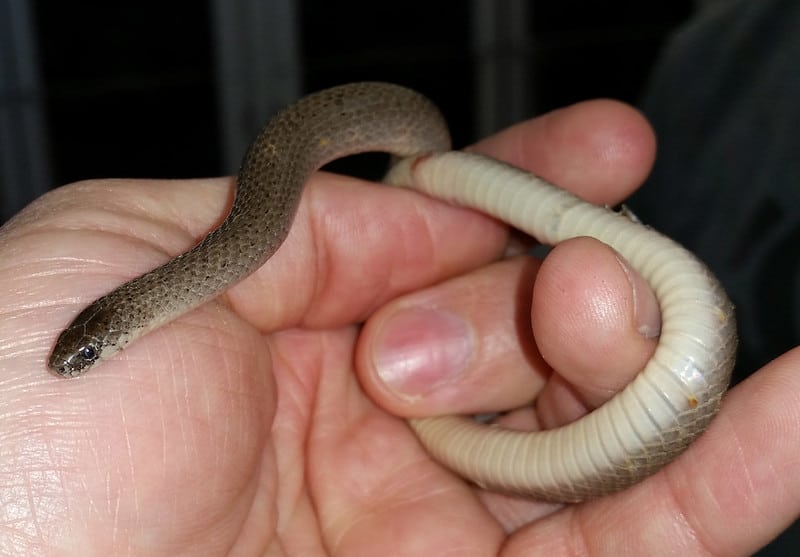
(78, 348)
(95, 334)
(74, 353)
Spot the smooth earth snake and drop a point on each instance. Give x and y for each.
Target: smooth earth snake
(645, 426)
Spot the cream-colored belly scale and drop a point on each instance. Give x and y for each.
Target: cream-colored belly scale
(642, 428)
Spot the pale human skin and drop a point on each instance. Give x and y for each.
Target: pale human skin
(260, 425)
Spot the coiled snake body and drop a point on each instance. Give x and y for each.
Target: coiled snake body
(645, 426)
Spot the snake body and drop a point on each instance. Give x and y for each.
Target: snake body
(648, 424)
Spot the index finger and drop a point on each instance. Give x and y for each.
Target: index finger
(600, 150)
(390, 242)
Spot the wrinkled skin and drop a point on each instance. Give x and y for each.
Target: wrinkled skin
(259, 425)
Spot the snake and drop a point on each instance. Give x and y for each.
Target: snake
(643, 427)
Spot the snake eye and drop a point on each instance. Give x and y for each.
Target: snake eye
(88, 353)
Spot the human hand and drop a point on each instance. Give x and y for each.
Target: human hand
(242, 428)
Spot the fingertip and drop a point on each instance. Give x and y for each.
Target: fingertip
(463, 346)
(589, 312)
(601, 150)
(416, 350)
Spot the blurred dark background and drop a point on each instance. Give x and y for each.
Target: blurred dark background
(178, 89)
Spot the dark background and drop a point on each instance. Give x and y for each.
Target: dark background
(130, 88)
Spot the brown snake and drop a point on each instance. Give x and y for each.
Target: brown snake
(649, 423)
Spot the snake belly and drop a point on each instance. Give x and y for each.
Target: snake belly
(645, 426)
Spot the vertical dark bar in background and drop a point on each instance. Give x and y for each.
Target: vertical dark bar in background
(24, 153)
